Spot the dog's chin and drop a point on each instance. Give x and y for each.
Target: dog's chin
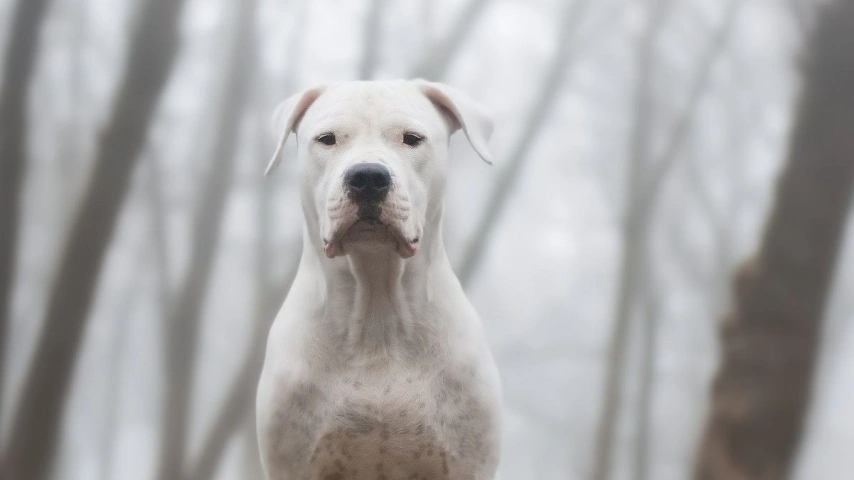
(370, 236)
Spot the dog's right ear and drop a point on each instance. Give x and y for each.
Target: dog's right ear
(465, 113)
(286, 117)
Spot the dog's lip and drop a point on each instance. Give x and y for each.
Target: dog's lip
(370, 222)
(406, 247)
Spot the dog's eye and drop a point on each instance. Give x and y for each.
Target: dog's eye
(326, 138)
(412, 139)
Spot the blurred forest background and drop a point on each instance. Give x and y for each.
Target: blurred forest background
(645, 149)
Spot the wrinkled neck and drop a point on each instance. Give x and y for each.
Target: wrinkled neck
(372, 297)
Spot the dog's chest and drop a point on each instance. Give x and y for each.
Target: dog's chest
(431, 424)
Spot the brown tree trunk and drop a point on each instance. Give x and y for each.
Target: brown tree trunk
(184, 319)
(770, 340)
(34, 434)
(17, 71)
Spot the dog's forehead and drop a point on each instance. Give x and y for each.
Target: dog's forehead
(373, 102)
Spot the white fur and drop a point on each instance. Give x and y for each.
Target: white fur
(376, 339)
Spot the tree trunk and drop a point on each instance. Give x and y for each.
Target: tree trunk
(238, 407)
(646, 393)
(157, 210)
(771, 337)
(17, 72)
(184, 319)
(251, 453)
(644, 183)
(115, 374)
(35, 431)
(238, 404)
(240, 400)
(633, 242)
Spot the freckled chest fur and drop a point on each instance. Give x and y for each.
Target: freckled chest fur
(394, 423)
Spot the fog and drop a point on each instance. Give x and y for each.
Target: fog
(637, 150)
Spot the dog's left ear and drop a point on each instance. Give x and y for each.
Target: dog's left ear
(464, 113)
(286, 117)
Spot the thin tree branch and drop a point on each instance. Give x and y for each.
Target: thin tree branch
(184, 319)
(633, 242)
(649, 353)
(371, 34)
(439, 58)
(641, 196)
(701, 194)
(158, 233)
(118, 345)
(681, 128)
(801, 15)
(241, 393)
(496, 202)
(34, 436)
(269, 294)
(69, 154)
(21, 53)
(686, 257)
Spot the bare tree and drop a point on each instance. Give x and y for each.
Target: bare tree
(497, 200)
(184, 318)
(117, 347)
(241, 394)
(17, 72)
(801, 13)
(34, 434)
(633, 238)
(238, 407)
(266, 303)
(157, 212)
(240, 400)
(771, 337)
(567, 27)
(440, 56)
(647, 381)
(70, 154)
(252, 469)
(371, 34)
(645, 178)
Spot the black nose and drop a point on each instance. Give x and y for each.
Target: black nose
(367, 182)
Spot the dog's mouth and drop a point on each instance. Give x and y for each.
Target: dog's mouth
(367, 232)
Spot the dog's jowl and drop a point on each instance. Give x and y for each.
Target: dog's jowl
(377, 366)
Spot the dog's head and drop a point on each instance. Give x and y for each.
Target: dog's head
(373, 158)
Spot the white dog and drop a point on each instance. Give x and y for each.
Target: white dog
(377, 366)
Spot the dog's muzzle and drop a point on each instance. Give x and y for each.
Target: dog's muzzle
(367, 187)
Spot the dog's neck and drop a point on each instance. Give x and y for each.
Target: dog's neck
(371, 297)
